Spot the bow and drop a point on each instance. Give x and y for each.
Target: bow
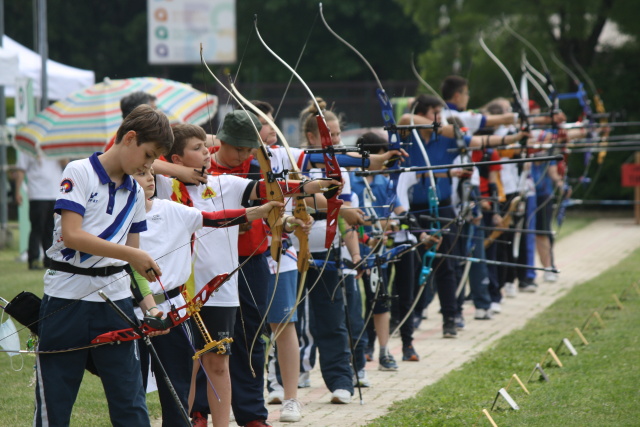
(173, 319)
(332, 168)
(383, 99)
(299, 211)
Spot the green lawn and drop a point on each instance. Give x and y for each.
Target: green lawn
(598, 387)
(17, 395)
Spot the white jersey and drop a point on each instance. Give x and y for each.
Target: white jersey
(279, 162)
(170, 226)
(319, 228)
(110, 214)
(471, 120)
(215, 250)
(43, 176)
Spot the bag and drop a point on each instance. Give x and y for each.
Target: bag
(25, 308)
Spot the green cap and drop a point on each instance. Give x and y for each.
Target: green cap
(237, 129)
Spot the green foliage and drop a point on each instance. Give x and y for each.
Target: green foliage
(597, 387)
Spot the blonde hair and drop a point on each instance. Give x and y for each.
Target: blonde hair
(308, 119)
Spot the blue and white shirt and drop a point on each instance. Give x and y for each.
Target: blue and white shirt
(107, 212)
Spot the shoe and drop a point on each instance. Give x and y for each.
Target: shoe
(341, 396)
(387, 363)
(409, 354)
(257, 423)
(550, 276)
(483, 314)
(291, 411)
(275, 397)
(527, 286)
(510, 290)
(368, 354)
(362, 379)
(303, 380)
(496, 308)
(459, 322)
(198, 420)
(449, 328)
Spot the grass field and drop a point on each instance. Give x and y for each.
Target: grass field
(598, 387)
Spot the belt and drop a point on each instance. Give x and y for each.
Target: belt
(158, 298)
(93, 272)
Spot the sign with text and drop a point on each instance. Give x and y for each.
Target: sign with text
(630, 173)
(176, 28)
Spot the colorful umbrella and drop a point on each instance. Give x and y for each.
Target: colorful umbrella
(85, 121)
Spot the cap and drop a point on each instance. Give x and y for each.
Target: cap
(237, 129)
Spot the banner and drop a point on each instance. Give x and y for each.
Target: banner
(176, 28)
(24, 102)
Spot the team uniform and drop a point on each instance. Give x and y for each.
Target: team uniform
(168, 240)
(80, 313)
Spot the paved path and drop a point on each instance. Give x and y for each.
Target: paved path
(580, 256)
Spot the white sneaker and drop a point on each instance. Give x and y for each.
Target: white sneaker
(482, 314)
(510, 290)
(291, 411)
(362, 379)
(304, 380)
(496, 307)
(550, 276)
(275, 397)
(341, 396)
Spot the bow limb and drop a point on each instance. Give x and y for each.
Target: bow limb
(332, 168)
(274, 192)
(300, 209)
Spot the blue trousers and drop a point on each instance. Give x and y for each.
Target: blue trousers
(174, 351)
(354, 305)
(247, 399)
(328, 327)
(68, 324)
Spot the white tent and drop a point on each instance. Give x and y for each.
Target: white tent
(62, 79)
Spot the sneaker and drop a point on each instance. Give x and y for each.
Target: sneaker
(291, 411)
(362, 379)
(387, 363)
(459, 320)
(483, 314)
(510, 290)
(409, 354)
(275, 397)
(257, 423)
(198, 420)
(304, 380)
(449, 328)
(527, 286)
(496, 308)
(550, 276)
(341, 396)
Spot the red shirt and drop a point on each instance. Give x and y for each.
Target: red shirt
(478, 156)
(255, 237)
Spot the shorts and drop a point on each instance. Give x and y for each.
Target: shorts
(284, 300)
(219, 321)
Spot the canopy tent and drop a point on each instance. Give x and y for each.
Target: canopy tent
(62, 79)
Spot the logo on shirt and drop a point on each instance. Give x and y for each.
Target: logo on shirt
(208, 193)
(92, 198)
(66, 186)
(156, 217)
